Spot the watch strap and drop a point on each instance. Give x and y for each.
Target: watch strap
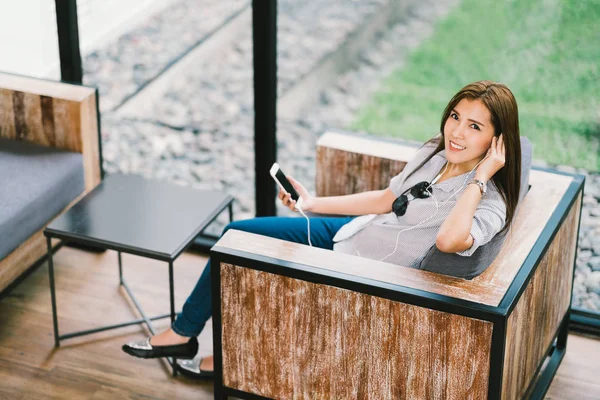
(480, 184)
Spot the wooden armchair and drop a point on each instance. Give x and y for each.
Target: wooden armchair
(51, 114)
(291, 321)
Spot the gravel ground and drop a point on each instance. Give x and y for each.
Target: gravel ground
(121, 68)
(200, 133)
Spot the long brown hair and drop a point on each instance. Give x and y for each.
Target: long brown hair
(502, 105)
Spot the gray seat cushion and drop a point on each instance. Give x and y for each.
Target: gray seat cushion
(469, 267)
(36, 183)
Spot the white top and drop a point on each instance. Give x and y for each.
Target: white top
(375, 236)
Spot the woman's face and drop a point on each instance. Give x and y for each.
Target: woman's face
(468, 133)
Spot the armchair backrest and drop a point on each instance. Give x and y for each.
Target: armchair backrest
(54, 114)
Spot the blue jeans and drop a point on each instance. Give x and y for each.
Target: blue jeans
(198, 306)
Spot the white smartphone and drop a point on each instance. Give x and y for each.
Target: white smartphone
(284, 183)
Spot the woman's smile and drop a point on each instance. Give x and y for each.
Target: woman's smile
(455, 147)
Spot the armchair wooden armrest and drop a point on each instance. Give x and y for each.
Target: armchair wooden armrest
(291, 321)
(51, 114)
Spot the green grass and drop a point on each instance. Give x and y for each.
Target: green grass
(546, 51)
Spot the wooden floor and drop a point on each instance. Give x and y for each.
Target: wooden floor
(94, 367)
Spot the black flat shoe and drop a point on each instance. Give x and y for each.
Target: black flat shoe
(144, 349)
(191, 368)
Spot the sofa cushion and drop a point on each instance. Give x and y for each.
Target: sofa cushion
(36, 183)
(484, 256)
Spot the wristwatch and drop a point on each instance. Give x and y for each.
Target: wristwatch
(482, 185)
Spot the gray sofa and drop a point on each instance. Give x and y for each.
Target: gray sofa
(39, 182)
(49, 157)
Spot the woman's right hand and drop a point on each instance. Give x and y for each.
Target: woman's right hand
(286, 198)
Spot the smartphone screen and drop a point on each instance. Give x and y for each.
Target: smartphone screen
(286, 184)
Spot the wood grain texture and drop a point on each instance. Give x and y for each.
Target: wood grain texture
(547, 190)
(577, 376)
(47, 113)
(28, 252)
(369, 164)
(349, 164)
(88, 296)
(286, 338)
(90, 144)
(67, 125)
(48, 118)
(19, 113)
(41, 87)
(51, 114)
(341, 172)
(352, 265)
(34, 119)
(21, 258)
(7, 115)
(357, 167)
(368, 145)
(95, 366)
(534, 321)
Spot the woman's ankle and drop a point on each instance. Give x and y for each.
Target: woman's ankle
(168, 337)
(207, 364)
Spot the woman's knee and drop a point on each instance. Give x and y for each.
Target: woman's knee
(232, 225)
(266, 226)
(246, 225)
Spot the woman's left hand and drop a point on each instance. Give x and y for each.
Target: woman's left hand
(494, 160)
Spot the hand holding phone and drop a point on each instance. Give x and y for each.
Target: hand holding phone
(285, 185)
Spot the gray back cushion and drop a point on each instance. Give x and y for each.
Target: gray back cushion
(36, 183)
(469, 267)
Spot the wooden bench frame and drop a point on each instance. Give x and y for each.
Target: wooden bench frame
(51, 114)
(290, 321)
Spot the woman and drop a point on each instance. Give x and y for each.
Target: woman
(459, 191)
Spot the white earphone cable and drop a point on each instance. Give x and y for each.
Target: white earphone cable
(415, 226)
(307, 223)
(436, 205)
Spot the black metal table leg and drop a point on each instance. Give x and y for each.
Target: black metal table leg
(115, 326)
(52, 292)
(203, 242)
(120, 268)
(172, 300)
(139, 307)
(171, 292)
(145, 319)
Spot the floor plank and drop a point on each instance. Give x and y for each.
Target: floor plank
(94, 367)
(88, 295)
